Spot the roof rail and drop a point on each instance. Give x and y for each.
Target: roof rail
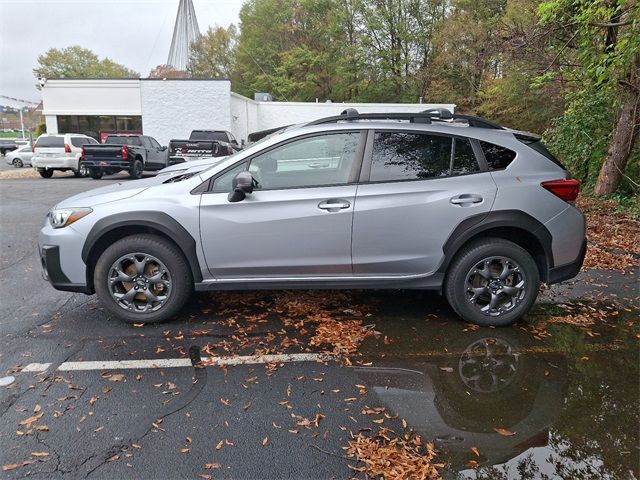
(426, 116)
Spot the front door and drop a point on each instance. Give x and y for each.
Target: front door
(419, 188)
(297, 222)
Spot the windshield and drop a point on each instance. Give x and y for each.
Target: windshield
(113, 140)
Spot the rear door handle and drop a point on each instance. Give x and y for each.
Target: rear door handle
(465, 200)
(334, 204)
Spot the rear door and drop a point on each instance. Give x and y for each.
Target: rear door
(297, 222)
(416, 187)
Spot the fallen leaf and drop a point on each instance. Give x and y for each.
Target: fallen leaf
(116, 378)
(106, 390)
(138, 325)
(114, 458)
(475, 451)
(189, 440)
(504, 432)
(30, 420)
(184, 450)
(211, 466)
(10, 466)
(37, 408)
(93, 400)
(39, 454)
(219, 444)
(41, 428)
(265, 441)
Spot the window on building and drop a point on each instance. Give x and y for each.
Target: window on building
(98, 125)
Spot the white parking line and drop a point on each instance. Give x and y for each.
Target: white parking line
(177, 362)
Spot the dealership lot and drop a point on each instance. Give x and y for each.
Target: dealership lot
(277, 396)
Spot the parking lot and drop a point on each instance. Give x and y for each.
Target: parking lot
(293, 384)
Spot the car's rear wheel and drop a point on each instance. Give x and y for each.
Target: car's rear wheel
(96, 173)
(143, 279)
(136, 169)
(45, 172)
(492, 282)
(17, 163)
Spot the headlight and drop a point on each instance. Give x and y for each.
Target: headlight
(67, 216)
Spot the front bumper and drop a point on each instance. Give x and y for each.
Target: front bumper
(568, 270)
(60, 256)
(52, 271)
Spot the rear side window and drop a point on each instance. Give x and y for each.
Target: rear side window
(497, 157)
(211, 136)
(409, 156)
(50, 142)
(418, 156)
(79, 141)
(115, 140)
(464, 160)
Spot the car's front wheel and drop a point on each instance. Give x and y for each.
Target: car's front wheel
(17, 163)
(492, 282)
(143, 279)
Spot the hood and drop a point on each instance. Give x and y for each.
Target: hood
(191, 165)
(110, 193)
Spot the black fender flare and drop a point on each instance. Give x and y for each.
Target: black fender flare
(159, 221)
(476, 224)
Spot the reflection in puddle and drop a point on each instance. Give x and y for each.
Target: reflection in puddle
(497, 406)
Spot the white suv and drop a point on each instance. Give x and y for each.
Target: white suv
(59, 152)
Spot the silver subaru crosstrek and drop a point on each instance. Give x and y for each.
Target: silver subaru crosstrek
(429, 200)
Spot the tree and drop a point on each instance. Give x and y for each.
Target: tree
(78, 62)
(214, 53)
(599, 39)
(166, 71)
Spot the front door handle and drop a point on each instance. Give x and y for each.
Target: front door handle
(334, 204)
(465, 200)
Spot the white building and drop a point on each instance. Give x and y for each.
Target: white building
(171, 108)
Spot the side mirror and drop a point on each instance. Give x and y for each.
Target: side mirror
(163, 148)
(242, 185)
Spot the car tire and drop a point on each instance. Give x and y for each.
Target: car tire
(17, 163)
(95, 173)
(46, 172)
(135, 172)
(492, 282)
(152, 252)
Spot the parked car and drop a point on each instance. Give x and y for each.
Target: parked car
(203, 143)
(59, 152)
(132, 153)
(20, 157)
(429, 200)
(8, 145)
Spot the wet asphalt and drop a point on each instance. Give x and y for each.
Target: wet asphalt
(566, 395)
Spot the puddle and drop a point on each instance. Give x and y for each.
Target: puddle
(506, 403)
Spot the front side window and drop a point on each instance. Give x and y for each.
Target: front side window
(223, 182)
(312, 161)
(409, 156)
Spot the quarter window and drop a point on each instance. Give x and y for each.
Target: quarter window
(312, 161)
(497, 157)
(224, 181)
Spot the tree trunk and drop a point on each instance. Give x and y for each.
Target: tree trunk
(624, 136)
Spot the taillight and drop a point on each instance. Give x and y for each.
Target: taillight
(82, 154)
(125, 151)
(567, 190)
(67, 148)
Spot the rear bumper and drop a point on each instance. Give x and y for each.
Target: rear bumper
(97, 163)
(568, 270)
(52, 271)
(54, 163)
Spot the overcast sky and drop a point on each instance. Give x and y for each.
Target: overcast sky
(135, 33)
